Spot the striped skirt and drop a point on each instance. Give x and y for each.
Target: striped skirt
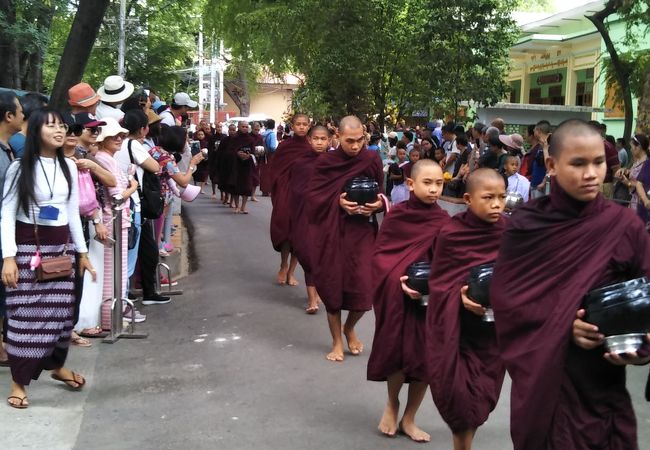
(39, 314)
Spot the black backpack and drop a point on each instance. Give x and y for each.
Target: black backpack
(151, 199)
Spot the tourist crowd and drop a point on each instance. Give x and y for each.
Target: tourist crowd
(66, 174)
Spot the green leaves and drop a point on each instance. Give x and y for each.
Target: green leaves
(371, 57)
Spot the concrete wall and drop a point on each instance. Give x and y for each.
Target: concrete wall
(272, 100)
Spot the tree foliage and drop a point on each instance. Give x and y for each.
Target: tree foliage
(24, 36)
(160, 40)
(369, 57)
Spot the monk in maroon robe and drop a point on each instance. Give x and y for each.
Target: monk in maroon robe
(342, 233)
(222, 166)
(287, 154)
(465, 371)
(258, 141)
(406, 236)
(301, 170)
(567, 392)
(240, 157)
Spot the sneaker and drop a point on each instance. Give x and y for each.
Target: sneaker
(168, 247)
(165, 282)
(139, 318)
(156, 299)
(163, 253)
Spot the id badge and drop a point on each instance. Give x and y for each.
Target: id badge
(48, 213)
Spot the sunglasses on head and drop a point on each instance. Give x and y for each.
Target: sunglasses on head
(74, 129)
(635, 140)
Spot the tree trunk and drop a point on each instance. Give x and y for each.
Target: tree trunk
(238, 91)
(643, 109)
(77, 49)
(622, 75)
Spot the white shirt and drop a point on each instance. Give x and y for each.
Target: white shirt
(104, 110)
(520, 184)
(51, 172)
(168, 118)
(451, 149)
(140, 155)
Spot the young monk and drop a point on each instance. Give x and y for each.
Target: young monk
(567, 392)
(464, 368)
(342, 233)
(287, 153)
(301, 170)
(405, 237)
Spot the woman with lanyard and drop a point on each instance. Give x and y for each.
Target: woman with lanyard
(40, 217)
(637, 178)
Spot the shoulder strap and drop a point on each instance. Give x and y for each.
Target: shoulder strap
(135, 175)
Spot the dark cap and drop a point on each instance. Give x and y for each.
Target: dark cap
(87, 120)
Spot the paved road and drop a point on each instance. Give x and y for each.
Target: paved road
(233, 364)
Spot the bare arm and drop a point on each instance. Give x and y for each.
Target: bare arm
(150, 165)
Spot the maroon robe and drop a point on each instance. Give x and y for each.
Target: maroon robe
(239, 181)
(463, 364)
(341, 245)
(300, 174)
(218, 168)
(555, 249)
(287, 154)
(258, 140)
(406, 236)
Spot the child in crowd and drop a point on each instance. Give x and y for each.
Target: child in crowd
(568, 392)
(464, 369)
(516, 182)
(405, 237)
(400, 192)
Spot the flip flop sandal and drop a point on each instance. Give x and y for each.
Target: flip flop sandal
(5, 363)
(91, 333)
(20, 405)
(80, 342)
(78, 386)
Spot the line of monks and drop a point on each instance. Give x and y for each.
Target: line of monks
(567, 392)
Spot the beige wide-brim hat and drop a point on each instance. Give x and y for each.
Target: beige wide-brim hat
(115, 89)
(112, 128)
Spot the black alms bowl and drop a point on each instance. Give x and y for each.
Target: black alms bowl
(479, 281)
(418, 274)
(362, 190)
(620, 309)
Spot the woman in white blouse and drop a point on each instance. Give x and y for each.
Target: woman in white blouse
(40, 217)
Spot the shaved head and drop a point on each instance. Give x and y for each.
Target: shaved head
(350, 122)
(421, 165)
(480, 176)
(571, 128)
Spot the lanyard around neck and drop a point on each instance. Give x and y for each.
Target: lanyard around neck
(49, 186)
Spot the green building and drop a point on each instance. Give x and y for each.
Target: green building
(556, 72)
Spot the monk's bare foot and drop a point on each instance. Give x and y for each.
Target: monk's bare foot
(354, 344)
(254, 199)
(336, 354)
(413, 431)
(282, 275)
(388, 422)
(291, 280)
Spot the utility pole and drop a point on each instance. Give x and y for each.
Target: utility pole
(212, 85)
(201, 87)
(221, 69)
(121, 50)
